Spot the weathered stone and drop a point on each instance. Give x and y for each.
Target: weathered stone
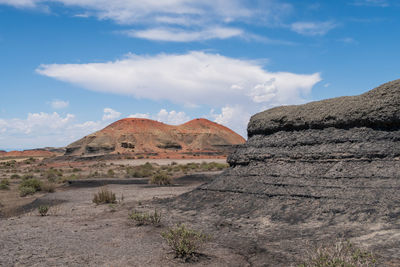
(144, 137)
(315, 171)
(377, 109)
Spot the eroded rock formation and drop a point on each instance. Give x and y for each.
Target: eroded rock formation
(143, 137)
(312, 171)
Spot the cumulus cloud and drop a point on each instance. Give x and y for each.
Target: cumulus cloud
(313, 28)
(110, 114)
(139, 116)
(196, 78)
(37, 121)
(59, 104)
(192, 79)
(235, 118)
(168, 117)
(172, 117)
(48, 129)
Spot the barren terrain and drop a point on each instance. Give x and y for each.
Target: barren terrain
(78, 232)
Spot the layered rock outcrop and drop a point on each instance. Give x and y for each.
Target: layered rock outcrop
(144, 137)
(311, 171)
(345, 150)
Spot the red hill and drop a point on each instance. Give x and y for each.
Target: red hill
(144, 137)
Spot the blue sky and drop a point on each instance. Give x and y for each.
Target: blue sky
(71, 67)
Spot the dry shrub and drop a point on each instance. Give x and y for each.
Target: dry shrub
(145, 170)
(184, 242)
(5, 184)
(104, 196)
(341, 254)
(15, 176)
(146, 218)
(48, 187)
(30, 186)
(161, 178)
(25, 190)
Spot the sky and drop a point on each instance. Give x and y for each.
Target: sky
(71, 67)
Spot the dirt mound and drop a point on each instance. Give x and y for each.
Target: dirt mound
(28, 153)
(312, 171)
(144, 137)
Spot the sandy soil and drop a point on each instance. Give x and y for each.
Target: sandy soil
(80, 233)
(138, 162)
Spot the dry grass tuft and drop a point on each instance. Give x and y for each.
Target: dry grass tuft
(104, 196)
(341, 254)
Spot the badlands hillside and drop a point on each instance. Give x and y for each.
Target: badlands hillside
(148, 138)
(314, 172)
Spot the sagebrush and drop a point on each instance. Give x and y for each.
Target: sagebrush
(184, 242)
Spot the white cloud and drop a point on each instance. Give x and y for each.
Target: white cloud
(110, 114)
(140, 116)
(172, 117)
(35, 123)
(196, 78)
(373, 3)
(44, 129)
(192, 79)
(181, 12)
(168, 117)
(233, 117)
(183, 35)
(20, 3)
(313, 28)
(201, 20)
(348, 40)
(59, 104)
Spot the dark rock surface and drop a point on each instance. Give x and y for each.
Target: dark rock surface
(377, 109)
(314, 172)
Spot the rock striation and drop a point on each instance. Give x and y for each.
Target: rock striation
(144, 138)
(329, 165)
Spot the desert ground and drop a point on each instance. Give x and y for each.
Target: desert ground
(78, 232)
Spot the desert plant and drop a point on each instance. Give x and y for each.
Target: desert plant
(104, 196)
(146, 218)
(341, 254)
(32, 182)
(161, 178)
(28, 176)
(53, 174)
(48, 187)
(76, 170)
(110, 173)
(5, 184)
(184, 242)
(25, 190)
(145, 170)
(15, 176)
(43, 210)
(29, 186)
(30, 160)
(68, 178)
